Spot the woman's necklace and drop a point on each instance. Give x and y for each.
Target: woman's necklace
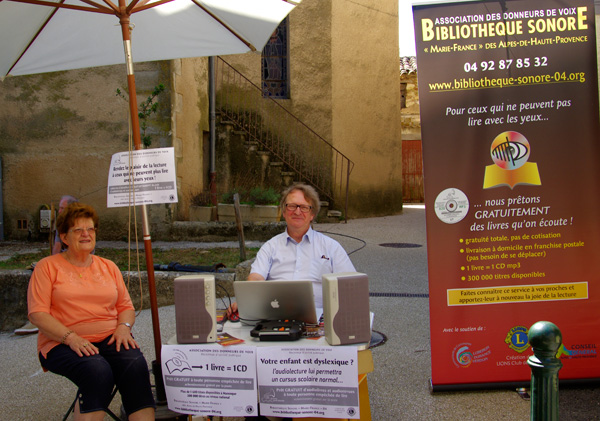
(78, 265)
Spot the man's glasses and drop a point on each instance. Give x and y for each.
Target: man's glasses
(291, 207)
(79, 231)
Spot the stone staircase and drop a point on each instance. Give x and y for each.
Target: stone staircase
(247, 160)
(281, 149)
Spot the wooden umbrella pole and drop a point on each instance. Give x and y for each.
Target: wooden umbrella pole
(135, 123)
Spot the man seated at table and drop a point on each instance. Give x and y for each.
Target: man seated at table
(299, 253)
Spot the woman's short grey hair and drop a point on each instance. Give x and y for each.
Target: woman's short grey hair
(310, 194)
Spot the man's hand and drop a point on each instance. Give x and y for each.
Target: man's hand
(232, 309)
(255, 277)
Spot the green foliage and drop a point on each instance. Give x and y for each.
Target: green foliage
(146, 109)
(261, 196)
(254, 196)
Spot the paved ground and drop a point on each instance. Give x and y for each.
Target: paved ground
(399, 386)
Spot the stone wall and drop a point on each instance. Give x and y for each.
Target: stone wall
(58, 132)
(411, 118)
(190, 130)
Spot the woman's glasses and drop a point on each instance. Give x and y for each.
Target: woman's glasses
(79, 231)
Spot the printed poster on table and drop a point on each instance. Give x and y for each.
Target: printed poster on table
(209, 380)
(509, 112)
(308, 382)
(148, 172)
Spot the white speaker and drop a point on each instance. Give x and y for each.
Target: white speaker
(346, 308)
(195, 309)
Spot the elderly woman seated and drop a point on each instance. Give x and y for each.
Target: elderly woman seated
(81, 306)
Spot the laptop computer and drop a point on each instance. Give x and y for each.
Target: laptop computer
(275, 300)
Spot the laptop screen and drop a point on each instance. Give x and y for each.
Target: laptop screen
(275, 300)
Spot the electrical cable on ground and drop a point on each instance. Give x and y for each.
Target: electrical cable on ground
(348, 236)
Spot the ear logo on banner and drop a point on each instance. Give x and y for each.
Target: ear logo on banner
(510, 152)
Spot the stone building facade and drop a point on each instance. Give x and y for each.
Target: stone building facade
(344, 84)
(58, 131)
(411, 120)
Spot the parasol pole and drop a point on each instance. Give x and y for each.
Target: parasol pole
(135, 123)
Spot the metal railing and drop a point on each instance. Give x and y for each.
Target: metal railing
(314, 160)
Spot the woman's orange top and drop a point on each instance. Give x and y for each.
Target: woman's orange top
(86, 300)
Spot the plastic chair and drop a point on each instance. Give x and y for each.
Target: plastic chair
(108, 411)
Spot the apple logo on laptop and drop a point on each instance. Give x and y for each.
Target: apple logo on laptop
(275, 303)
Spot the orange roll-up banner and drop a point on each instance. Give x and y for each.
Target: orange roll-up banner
(511, 149)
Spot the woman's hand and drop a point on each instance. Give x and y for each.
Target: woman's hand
(58, 332)
(122, 337)
(80, 345)
(122, 334)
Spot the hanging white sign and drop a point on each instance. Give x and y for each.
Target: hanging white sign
(142, 177)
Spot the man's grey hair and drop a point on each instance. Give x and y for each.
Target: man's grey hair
(310, 194)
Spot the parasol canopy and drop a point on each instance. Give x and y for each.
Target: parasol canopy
(39, 36)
